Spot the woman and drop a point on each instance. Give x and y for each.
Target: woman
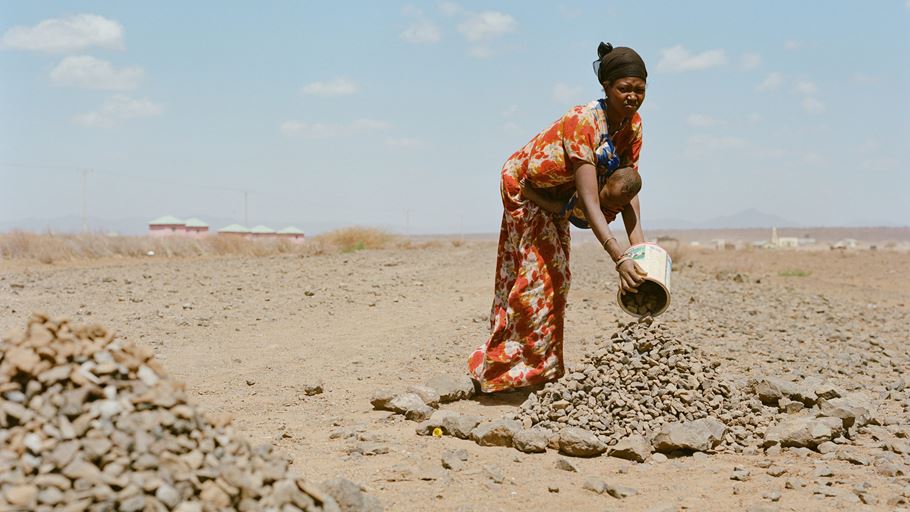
(567, 170)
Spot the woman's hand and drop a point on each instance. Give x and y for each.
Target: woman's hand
(630, 276)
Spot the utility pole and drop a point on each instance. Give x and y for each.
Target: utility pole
(246, 216)
(84, 200)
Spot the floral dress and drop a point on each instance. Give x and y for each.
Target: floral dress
(532, 265)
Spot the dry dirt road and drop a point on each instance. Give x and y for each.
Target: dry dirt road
(248, 334)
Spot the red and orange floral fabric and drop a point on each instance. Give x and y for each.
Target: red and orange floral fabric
(532, 266)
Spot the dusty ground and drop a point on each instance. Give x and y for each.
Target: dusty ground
(246, 335)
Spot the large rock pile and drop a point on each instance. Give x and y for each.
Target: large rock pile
(92, 423)
(643, 381)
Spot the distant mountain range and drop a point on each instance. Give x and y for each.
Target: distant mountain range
(749, 218)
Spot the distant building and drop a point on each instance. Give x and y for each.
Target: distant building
(261, 231)
(291, 233)
(787, 242)
(846, 243)
(167, 226)
(235, 230)
(196, 228)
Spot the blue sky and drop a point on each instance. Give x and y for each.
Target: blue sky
(377, 112)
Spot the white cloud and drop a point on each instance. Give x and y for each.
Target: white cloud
(486, 25)
(403, 142)
(451, 8)
(678, 59)
(812, 105)
(422, 31)
(337, 87)
(793, 44)
(806, 87)
(564, 93)
(755, 118)
(91, 73)
(61, 35)
(306, 130)
(119, 108)
(703, 121)
(750, 61)
(771, 83)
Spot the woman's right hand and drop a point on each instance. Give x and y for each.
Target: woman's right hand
(630, 276)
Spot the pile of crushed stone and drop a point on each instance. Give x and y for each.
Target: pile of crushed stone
(640, 379)
(88, 422)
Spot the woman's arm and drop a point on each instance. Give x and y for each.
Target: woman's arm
(631, 218)
(589, 196)
(630, 274)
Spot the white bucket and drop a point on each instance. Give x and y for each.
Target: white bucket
(653, 297)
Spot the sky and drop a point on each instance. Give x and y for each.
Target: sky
(400, 115)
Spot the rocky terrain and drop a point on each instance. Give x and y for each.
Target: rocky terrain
(812, 346)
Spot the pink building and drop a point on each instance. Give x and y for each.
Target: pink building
(262, 232)
(167, 226)
(291, 233)
(235, 230)
(196, 228)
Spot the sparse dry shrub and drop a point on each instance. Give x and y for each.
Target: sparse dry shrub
(356, 239)
(54, 247)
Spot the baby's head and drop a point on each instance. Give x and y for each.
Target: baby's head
(621, 187)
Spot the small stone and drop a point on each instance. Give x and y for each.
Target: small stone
(566, 465)
(594, 485)
(635, 448)
(313, 388)
(531, 440)
(21, 495)
(496, 433)
(822, 471)
(452, 388)
(429, 395)
(776, 471)
(553, 488)
(699, 435)
(494, 473)
(350, 496)
(826, 447)
(167, 495)
(620, 492)
(454, 459)
(658, 458)
(578, 442)
(803, 431)
(740, 474)
(771, 495)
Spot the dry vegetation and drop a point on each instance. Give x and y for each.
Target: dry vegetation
(57, 247)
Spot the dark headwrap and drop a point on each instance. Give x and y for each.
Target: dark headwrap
(618, 62)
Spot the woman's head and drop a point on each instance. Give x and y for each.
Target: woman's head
(622, 73)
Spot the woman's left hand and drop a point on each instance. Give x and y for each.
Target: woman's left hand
(630, 276)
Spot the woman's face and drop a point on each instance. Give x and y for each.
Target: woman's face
(625, 95)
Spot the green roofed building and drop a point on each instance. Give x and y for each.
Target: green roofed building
(196, 228)
(234, 229)
(291, 233)
(167, 226)
(261, 230)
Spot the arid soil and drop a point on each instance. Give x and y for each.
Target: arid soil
(251, 336)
